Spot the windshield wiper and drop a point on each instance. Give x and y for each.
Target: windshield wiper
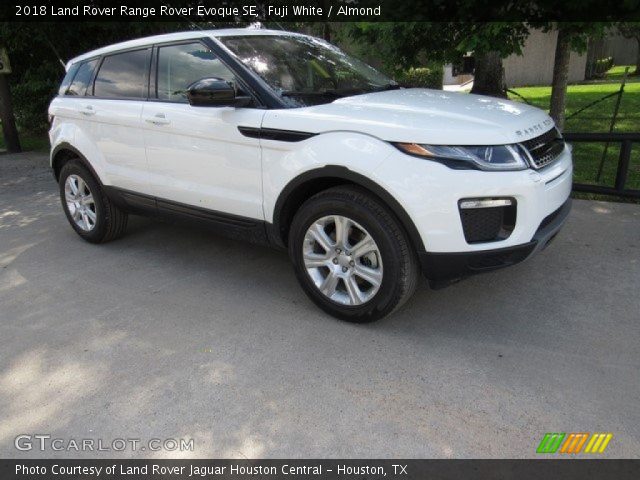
(323, 93)
(338, 93)
(388, 86)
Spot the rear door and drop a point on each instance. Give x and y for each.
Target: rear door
(71, 103)
(196, 155)
(119, 91)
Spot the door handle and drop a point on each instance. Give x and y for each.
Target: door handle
(157, 119)
(88, 110)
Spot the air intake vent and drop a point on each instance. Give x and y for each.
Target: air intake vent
(488, 224)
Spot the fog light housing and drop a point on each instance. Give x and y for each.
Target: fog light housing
(487, 219)
(486, 203)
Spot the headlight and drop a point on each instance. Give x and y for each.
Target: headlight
(498, 157)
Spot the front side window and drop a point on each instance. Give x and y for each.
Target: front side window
(123, 75)
(181, 65)
(305, 70)
(82, 79)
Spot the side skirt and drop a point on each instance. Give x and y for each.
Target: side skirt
(233, 226)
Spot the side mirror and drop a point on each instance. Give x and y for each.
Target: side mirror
(214, 92)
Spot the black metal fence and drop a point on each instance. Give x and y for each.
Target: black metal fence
(626, 141)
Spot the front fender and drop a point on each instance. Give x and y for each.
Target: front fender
(350, 156)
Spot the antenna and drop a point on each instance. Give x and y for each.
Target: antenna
(64, 65)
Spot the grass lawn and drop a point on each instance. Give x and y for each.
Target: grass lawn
(597, 119)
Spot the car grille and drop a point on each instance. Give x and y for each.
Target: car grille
(545, 149)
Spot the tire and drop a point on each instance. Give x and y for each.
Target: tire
(102, 221)
(371, 285)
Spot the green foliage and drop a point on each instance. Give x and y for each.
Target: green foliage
(601, 66)
(410, 44)
(630, 30)
(31, 97)
(34, 49)
(422, 77)
(504, 37)
(579, 32)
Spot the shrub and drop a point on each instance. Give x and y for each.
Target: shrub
(422, 77)
(599, 66)
(31, 98)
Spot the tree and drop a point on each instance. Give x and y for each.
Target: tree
(410, 44)
(572, 36)
(491, 42)
(7, 118)
(560, 77)
(38, 64)
(632, 30)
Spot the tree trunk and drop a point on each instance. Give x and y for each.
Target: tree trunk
(637, 72)
(326, 31)
(6, 116)
(489, 75)
(326, 27)
(560, 77)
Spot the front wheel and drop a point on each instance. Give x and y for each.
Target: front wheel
(351, 256)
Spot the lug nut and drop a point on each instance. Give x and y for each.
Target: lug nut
(338, 250)
(352, 263)
(335, 260)
(344, 269)
(347, 253)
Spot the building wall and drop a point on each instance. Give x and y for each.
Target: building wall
(623, 50)
(535, 65)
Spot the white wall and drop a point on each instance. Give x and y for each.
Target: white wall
(535, 65)
(623, 50)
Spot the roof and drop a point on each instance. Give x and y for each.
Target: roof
(177, 36)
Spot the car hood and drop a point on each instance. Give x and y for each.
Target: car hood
(419, 115)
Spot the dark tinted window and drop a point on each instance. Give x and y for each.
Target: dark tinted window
(181, 65)
(66, 81)
(123, 75)
(82, 78)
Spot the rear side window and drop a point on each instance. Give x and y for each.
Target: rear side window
(181, 65)
(82, 79)
(123, 75)
(66, 81)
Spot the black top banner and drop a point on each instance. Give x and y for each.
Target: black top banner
(230, 11)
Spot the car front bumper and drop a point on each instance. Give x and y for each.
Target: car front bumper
(431, 195)
(444, 268)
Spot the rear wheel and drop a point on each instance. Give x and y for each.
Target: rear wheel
(90, 212)
(351, 256)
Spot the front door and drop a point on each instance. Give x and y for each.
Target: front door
(196, 155)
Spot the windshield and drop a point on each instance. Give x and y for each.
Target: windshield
(306, 70)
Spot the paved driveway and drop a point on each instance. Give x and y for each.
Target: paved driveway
(171, 332)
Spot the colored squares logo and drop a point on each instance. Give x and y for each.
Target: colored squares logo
(573, 443)
(550, 442)
(598, 443)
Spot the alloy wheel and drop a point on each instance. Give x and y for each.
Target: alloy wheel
(80, 202)
(343, 260)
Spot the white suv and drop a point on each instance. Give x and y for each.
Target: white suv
(281, 138)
